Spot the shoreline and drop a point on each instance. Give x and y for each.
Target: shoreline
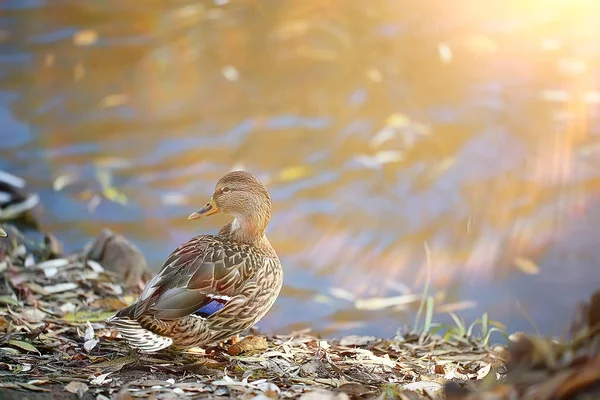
(55, 343)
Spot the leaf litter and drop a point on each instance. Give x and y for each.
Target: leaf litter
(54, 340)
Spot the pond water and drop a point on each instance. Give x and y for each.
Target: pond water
(449, 143)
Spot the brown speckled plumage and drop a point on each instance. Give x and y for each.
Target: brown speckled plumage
(211, 288)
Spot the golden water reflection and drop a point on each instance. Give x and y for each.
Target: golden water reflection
(381, 128)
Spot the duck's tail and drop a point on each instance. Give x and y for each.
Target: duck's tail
(136, 335)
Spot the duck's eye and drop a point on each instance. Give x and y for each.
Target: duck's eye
(225, 190)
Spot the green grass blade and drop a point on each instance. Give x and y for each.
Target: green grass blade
(428, 314)
(426, 288)
(484, 324)
(459, 324)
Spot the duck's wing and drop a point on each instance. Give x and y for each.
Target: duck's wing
(200, 277)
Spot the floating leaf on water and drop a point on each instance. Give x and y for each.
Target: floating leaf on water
(114, 100)
(114, 195)
(174, 199)
(386, 157)
(527, 266)
(445, 53)
(84, 316)
(78, 388)
(85, 37)
(383, 136)
(293, 173)
(374, 74)
(63, 181)
(61, 287)
(398, 120)
(457, 306)
(321, 298)
(230, 73)
(24, 346)
(378, 159)
(379, 303)
(94, 203)
(342, 294)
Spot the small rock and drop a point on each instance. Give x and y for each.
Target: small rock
(118, 255)
(247, 345)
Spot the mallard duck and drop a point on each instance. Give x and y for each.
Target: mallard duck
(211, 288)
(14, 200)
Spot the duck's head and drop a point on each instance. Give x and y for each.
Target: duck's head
(243, 196)
(3, 233)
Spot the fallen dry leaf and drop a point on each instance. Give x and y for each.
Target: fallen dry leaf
(110, 303)
(247, 345)
(78, 388)
(24, 346)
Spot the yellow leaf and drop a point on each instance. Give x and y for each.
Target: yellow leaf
(397, 120)
(293, 173)
(527, 266)
(85, 37)
(114, 195)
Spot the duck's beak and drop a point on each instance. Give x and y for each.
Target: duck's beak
(209, 209)
(3, 233)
